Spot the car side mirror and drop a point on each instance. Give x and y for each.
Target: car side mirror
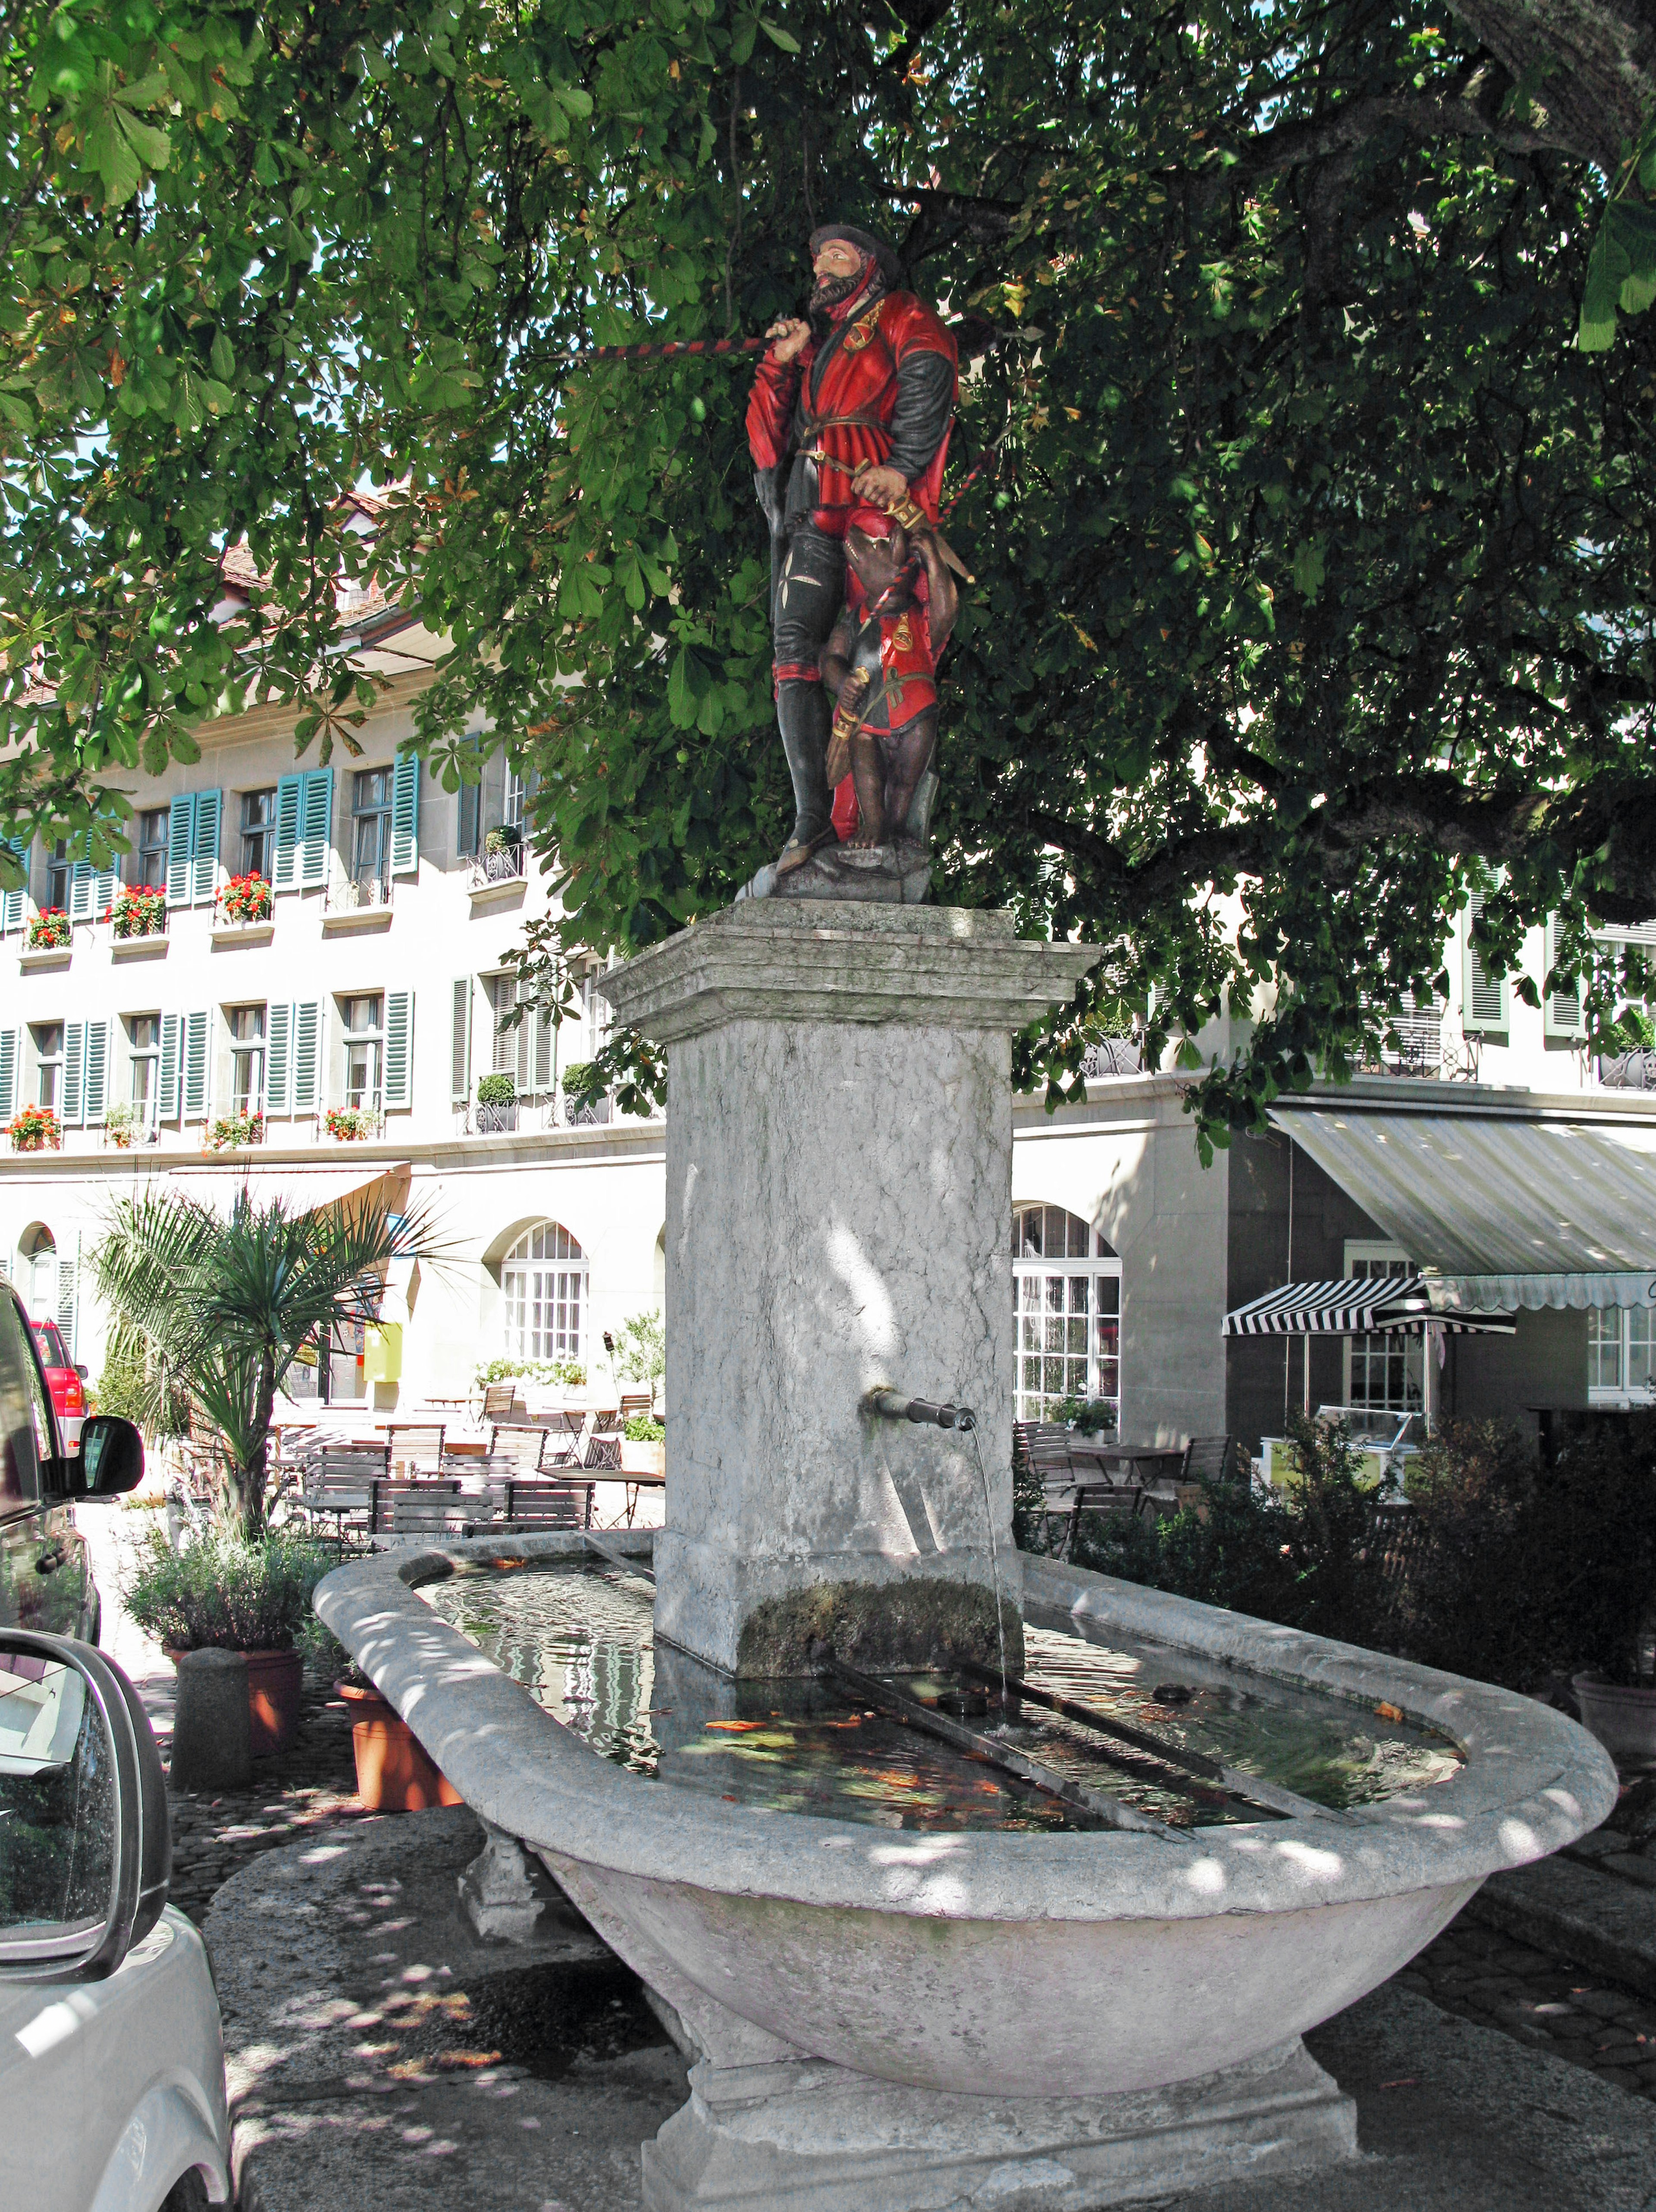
(111, 1457)
(85, 1848)
(83, 1370)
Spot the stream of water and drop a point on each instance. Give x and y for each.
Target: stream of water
(581, 1639)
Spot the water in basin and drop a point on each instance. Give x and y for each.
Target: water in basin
(580, 1638)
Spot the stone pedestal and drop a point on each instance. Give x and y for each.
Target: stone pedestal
(820, 2138)
(839, 1201)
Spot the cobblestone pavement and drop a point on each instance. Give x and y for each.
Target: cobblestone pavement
(310, 1786)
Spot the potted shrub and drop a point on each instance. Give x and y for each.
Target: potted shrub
(35, 1129)
(48, 931)
(121, 1125)
(645, 1446)
(496, 1103)
(246, 898)
(350, 1124)
(228, 1594)
(231, 1131)
(140, 910)
(394, 1772)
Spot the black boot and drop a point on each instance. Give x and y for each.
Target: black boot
(802, 717)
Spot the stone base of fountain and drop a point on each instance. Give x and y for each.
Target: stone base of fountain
(823, 2139)
(920, 1622)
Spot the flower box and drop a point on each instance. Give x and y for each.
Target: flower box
(36, 1129)
(246, 899)
(231, 1131)
(48, 930)
(139, 910)
(350, 1123)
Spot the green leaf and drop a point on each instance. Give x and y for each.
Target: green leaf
(1308, 569)
(778, 37)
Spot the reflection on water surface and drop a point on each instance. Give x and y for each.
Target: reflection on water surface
(581, 1639)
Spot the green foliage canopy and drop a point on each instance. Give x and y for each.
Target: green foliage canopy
(1314, 555)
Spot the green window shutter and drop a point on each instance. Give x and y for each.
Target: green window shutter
(97, 1072)
(405, 815)
(1486, 1001)
(74, 1072)
(66, 1303)
(278, 1060)
(12, 902)
(399, 1047)
(180, 850)
(204, 849)
(288, 794)
(307, 1055)
(108, 884)
(8, 1073)
(168, 1083)
(1561, 1014)
(460, 1079)
(469, 807)
(196, 1040)
(316, 824)
(81, 887)
(541, 1023)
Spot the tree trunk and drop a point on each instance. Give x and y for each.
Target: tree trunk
(247, 1480)
(1591, 64)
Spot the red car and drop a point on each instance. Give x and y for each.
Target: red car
(64, 1380)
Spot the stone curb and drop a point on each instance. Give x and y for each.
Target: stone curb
(1588, 1919)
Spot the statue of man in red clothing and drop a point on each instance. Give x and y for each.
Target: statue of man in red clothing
(865, 388)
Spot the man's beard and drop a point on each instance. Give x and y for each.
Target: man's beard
(830, 290)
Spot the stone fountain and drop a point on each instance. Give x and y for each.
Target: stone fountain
(883, 2020)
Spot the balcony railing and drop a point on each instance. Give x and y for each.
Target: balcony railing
(1114, 1056)
(1628, 1070)
(357, 894)
(504, 867)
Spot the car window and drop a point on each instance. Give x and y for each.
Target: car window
(21, 1429)
(57, 1824)
(50, 1345)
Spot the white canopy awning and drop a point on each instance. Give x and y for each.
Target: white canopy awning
(1503, 1210)
(1355, 1306)
(300, 1188)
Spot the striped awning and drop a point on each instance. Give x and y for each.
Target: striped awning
(1356, 1306)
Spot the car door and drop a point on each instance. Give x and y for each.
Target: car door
(43, 1556)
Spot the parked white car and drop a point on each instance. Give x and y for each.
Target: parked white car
(112, 2060)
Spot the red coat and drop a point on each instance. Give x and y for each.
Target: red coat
(785, 415)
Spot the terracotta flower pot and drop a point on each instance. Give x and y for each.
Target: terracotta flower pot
(393, 1772)
(1623, 1719)
(275, 1679)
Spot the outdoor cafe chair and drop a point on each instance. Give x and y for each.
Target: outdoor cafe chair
(427, 1510)
(524, 1445)
(500, 1401)
(416, 1447)
(1208, 1459)
(603, 1452)
(634, 1402)
(537, 1502)
(396, 1490)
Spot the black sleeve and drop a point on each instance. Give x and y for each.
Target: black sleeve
(925, 400)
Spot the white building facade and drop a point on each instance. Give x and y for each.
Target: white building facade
(371, 998)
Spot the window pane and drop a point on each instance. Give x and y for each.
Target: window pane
(1604, 1349)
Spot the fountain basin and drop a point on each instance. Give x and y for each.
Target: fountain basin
(1087, 1964)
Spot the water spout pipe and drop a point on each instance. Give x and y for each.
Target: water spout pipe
(896, 1408)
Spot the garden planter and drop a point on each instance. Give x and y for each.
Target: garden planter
(393, 1774)
(274, 1682)
(1623, 1720)
(643, 1458)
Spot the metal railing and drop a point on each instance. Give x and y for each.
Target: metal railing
(505, 866)
(357, 894)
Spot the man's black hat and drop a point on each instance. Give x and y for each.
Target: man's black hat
(865, 242)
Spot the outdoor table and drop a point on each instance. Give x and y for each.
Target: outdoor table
(1163, 1461)
(634, 1483)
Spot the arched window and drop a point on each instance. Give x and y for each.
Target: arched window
(545, 1279)
(1066, 1305)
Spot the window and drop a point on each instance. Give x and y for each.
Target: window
(371, 812)
(521, 785)
(524, 1051)
(259, 833)
(364, 1037)
(1384, 1372)
(1622, 1356)
(145, 1032)
(149, 862)
(247, 1059)
(1066, 1306)
(48, 1063)
(545, 1280)
(58, 875)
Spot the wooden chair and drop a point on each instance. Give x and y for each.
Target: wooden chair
(499, 1401)
(536, 1503)
(416, 1446)
(523, 1446)
(634, 1402)
(604, 1451)
(340, 1482)
(396, 1492)
(1208, 1459)
(425, 1510)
